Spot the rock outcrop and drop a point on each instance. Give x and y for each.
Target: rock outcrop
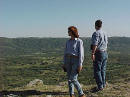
(34, 83)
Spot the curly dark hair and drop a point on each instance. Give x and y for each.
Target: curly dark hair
(74, 31)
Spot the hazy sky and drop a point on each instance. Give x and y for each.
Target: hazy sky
(51, 18)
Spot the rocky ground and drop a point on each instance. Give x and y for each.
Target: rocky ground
(37, 88)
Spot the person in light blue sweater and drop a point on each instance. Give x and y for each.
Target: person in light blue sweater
(99, 55)
(73, 60)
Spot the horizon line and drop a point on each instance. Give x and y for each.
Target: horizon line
(65, 37)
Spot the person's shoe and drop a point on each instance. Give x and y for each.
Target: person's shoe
(72, 96)
(104, 86)
(100, 89)
(82, 95)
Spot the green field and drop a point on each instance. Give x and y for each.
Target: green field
(25, 59)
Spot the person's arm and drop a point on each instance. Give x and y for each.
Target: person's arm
(63, 66)
(81, 56)
(95, 40)
(94, 47)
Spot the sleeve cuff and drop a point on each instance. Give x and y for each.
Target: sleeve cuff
(80, 64)
(95, 43)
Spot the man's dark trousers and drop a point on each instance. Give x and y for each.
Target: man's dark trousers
(100, 68)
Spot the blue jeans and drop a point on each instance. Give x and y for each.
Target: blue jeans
(72, 74)
(100, 68)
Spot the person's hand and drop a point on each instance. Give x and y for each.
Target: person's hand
(93, 57)
(79, 68)
(63, 65)
(64, 68)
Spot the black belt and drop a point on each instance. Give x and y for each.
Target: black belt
(100, 50)
(71, 56)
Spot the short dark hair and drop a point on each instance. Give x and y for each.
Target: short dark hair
(74, 31)
(98, 23)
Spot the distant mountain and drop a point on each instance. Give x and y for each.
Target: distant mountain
(20, 46)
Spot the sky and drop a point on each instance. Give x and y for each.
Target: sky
(51, 18)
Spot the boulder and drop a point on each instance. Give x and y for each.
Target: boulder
(34, 83)
(63, 83)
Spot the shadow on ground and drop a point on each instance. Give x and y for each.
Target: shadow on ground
(30, 92)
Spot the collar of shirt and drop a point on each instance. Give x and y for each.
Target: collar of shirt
(74, 39)
(99, 30)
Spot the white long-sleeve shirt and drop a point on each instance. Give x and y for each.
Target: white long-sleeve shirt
(75, 47)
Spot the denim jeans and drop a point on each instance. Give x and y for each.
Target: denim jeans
(72, 74)
(100, 68)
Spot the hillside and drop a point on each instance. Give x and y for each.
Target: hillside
(11, 46)
(25, 59)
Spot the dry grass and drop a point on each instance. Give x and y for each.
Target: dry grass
(61, 90)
